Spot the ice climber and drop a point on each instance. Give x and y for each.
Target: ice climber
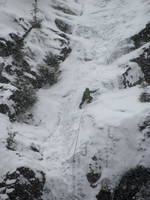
(86, 97)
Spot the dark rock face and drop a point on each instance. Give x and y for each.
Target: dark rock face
(23, 184)
(144, 193)
(144, 62)
(132, 183)
(104, 194)
(142, 37)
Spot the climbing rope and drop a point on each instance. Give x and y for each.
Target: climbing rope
(74, 184)
(77, 138)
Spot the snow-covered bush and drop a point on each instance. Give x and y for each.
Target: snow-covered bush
(63, 26)
(48, 73)
(17, 47)
(47, 76)
(36, 22)
(11, 144)
(23, 98)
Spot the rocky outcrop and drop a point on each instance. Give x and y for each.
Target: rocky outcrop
(104, 194)
(134, 184)
(22, 184)
(138, 70)
(142, 37)
(93, 177)
(132, 76)
(95, 170)
(144, 62)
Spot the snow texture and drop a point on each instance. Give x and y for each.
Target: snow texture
(66, 137)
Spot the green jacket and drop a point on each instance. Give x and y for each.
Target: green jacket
(87, 93)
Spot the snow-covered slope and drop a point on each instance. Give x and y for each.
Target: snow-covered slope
(103, 137)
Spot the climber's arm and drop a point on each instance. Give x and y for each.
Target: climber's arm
(93, 91)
